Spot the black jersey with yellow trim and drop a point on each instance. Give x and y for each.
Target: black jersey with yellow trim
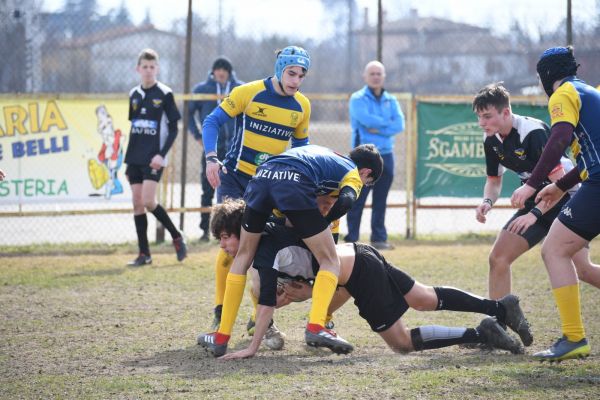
(150, 112)
(265, 123)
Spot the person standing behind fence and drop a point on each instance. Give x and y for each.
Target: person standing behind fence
(153, 115)
(220, 82)
(376, 118)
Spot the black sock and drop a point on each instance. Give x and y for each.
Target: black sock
(141, 227)
(435, 337)
(453, 299)
(161, 214)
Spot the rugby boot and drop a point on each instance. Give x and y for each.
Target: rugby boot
(140, 261)
(274, 339)
(496, 337)
(217, 318)
(515, 319)
(564, 349)
(318, 336)
(180, 248)
(215, 343)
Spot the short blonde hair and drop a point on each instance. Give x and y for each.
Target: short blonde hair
(147, 54)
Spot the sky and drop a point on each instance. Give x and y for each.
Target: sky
(287, 17)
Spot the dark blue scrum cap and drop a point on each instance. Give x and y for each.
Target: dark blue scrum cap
(555, 64)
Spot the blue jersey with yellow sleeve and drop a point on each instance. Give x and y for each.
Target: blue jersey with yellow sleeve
(578, 104)
(265, 122)
(329, 170)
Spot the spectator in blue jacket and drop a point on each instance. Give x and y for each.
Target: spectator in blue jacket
(221, 80)
(376, 118)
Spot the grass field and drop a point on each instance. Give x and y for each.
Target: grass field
(76, 323)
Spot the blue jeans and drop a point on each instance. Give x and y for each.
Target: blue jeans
(379, 204)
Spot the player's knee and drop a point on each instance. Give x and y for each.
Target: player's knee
(402, 346)
(498, 261)
(149, 204)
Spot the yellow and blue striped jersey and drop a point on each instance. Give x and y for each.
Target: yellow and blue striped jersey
(329, 170)
(265, 122)
(578, 104)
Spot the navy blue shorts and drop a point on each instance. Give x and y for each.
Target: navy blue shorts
(282, 187)
(136, 174)
(581, 214)
(233, 185)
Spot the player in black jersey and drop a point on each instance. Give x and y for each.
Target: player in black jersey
(381, 292)
(515, 142)
(153, 115)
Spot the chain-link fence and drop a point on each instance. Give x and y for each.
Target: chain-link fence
(61, 56)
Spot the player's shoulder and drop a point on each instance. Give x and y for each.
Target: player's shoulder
(136, 89)
(526, 125)
(251, 87)
(164, 88)
(302, 99)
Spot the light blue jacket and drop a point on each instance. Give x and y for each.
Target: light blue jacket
(381, 115)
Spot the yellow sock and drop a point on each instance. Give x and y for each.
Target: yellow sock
(234, 292)
(222, 266)
(254, 304)
(323, 291)
(569, 308)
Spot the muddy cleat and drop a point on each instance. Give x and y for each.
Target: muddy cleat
(215, 343)
(274, 339)
(180, 248)
(317, 336)
(140, 261)
(217, 318)
(251, 326)
(515, 319)
(564, 349)
(496, 337)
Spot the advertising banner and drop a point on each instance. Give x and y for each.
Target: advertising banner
(450, 155)
(63, 150)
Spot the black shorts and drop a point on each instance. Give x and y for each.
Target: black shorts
(538, 231)
(378, 288)
(139, 173)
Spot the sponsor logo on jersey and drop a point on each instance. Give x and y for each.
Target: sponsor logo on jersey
(230, 103)
(134, 104)
(258, 127)
(520, 153)
(143, 111)
(156, 103)
(567, 212)
(144, 127)
(260, 112)
(294, 119)
(557, 111)
(261, 158)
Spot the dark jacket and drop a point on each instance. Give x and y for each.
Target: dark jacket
(199, 109)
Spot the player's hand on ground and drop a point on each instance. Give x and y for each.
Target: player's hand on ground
(520, 195)
(157, 162)
(522, 223)
(246, 353)
(549, 196)
(212, 173)
(481, 212)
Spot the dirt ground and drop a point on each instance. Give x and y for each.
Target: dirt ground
(84, 326)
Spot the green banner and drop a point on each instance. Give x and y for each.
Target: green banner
(450, 155)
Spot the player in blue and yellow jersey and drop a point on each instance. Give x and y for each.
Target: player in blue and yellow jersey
(574, 107)
(291, 183)
(268, 113)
